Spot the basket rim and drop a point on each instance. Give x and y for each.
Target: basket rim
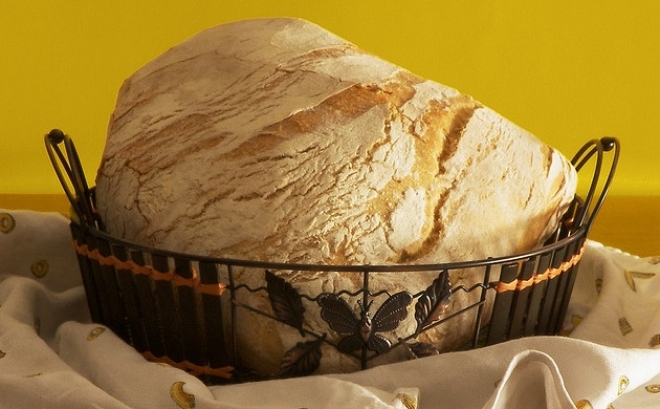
(576, 234)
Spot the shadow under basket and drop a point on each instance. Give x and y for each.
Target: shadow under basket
(183, 309)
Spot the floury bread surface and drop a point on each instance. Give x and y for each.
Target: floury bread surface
(273, 139)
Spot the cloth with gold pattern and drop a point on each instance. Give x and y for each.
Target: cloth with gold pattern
(53, 356)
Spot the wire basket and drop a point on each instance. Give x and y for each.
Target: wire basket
(182, 309)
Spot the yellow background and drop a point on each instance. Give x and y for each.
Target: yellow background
(568, 71)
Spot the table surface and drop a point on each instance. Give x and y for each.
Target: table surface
(629, 223)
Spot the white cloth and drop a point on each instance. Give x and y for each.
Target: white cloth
(52, 356)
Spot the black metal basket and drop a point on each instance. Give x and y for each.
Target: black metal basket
(172, 307)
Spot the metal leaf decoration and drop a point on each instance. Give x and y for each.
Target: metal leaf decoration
(285, 301)
(302, 360)
(433, 302)
(363, 330)
(337, 313)
(392, 312)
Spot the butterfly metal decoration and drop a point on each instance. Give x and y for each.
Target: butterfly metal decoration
(363, 330)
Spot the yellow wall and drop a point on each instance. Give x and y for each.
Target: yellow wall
(566, 70)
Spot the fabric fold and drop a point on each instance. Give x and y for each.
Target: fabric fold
(531, 380)
(52, 356)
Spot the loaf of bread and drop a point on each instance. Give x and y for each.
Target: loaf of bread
(275, 140)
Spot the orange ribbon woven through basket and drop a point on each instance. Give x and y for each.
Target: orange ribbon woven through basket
(224, 372)
(550, 273)
(194, 282)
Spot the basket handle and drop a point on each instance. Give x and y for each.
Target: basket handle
(596, 147)
(70, 173)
